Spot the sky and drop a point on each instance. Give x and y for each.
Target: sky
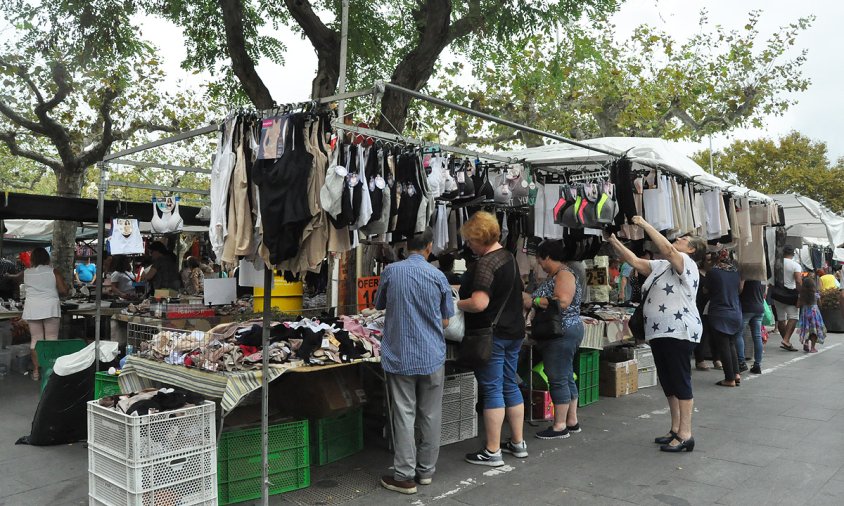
(817, 114)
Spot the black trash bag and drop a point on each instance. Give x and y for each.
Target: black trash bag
(61, 416)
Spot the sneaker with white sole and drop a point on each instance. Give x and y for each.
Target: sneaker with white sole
(573, 429)
(424, 481)
(485, 458)
(550, 433)
(402, 487)
(518, 450)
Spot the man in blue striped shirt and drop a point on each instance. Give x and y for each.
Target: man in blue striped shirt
(418, 303)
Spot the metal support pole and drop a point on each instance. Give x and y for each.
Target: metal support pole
(711, 162)
(495, 119)
(100, 240)
(265, 397)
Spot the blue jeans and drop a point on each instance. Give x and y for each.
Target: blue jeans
(558, 356)
(497, 380)
(755, 320)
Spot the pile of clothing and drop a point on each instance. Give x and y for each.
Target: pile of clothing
(237, 346)
(151, 400)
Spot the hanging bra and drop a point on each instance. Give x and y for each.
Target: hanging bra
(163, 220)
(607, 206)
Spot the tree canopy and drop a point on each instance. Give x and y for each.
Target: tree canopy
(793, 163)
(591, 84)
(76, 80)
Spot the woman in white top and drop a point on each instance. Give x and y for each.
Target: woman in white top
(42, 309)
(122, 279)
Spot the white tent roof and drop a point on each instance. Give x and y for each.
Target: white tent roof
(652, 152)
(810, 220)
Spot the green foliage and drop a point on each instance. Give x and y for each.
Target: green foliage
(588, 85)
(792, 164)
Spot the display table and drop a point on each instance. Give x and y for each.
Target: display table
(230, 387)
(122, 324)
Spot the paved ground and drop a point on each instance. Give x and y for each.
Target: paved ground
(778, 439)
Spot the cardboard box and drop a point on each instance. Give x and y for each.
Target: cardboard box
(319, 394)
(543, 406)
(618, 378)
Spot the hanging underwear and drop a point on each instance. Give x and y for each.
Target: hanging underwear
(165, 215)
(125, 237)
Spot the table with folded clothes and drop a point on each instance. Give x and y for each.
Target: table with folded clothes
(225, 362)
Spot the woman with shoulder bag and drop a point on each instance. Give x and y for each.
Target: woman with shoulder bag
(557, 303)
(672, 325)
(491, 299)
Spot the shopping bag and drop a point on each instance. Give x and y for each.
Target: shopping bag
(767, 315)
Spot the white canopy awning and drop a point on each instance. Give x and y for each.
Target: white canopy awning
(648, 151)
(811, 221)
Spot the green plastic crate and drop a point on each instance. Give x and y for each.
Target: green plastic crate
(105, 384)
(587, 364)
(49, 351)
(336, 437)
(239, 461)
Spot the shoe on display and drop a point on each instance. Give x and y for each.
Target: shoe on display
(485, 458)
(550, 433)
(402, 487)
(516, 449)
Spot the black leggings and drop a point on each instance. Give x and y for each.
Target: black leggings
(726, 345)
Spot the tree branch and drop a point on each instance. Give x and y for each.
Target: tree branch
(726, 120)
(147, 126)
(242, 64)
(59, 74)
(10, 140)
(98, 151)
(326, 42)
(472, 21)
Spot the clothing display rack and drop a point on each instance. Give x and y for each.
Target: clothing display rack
(599, 170)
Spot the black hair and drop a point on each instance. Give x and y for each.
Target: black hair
(419, 242)
(446, 262)
(120, 263)
(39, 257)
(551, 249)
(159, 247)
(788, 249)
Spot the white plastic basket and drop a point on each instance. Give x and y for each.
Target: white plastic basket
(459, 418)
(644, 356)
(155, 474)
(201, 490)
(647, 377)
(139, 439)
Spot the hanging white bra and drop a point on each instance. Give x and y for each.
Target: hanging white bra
(165, 215)
(125, 237)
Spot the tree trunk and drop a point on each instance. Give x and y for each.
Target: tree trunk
(68, 184)
(328, 73)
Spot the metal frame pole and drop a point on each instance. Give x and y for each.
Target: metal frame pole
(265, 395)
(494, 119)
(100, 240)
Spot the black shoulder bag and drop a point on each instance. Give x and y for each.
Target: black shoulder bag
(476, 346)
(637, 320)
(547, 323)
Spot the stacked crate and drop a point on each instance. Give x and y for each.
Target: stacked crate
(158, 459)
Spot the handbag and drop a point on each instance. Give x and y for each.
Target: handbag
(637, 319)
(767, 314)
(547, 323)
(476, 346)
(787, 296)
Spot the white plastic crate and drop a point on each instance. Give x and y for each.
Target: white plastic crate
(138, 439)
(459, 420)
(644, 356)
(200, 490)
(155, 474)
(647, 377)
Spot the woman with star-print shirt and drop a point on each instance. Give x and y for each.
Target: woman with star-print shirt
(672, 323)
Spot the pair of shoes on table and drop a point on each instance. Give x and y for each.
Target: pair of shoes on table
(756, 369)
(687, 445)
(664, 440)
